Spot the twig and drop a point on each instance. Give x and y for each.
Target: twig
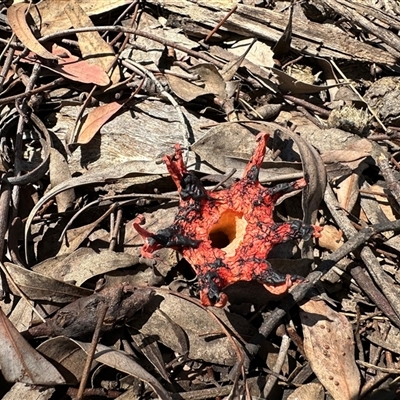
(145, 34)
(115, 229)
(395, 371)
(27, 93)
(380, 277)
(311, 117)
(204, 393)
(5, 197)
(307, 105)
(220, 23)
(18, 138)
(391, 180)
(92, 349)
(353, 16)
(226, 178)
(283, 350)
(6, 65)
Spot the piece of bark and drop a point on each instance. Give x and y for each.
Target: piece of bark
(269, 25)
(78, 319)
(354, 17)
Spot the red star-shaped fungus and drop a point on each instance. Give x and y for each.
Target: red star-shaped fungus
(226, 235)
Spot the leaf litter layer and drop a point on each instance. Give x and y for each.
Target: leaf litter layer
(95, 96)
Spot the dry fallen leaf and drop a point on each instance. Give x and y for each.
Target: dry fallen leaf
(204, 335)
(151, 350)
(84, 263)
(66, 353)
(347, 191)
(351, 155)
(75, 68)
(16, 15)
(59, 172)
(383, 200)
(22, 391)
(21, 315)
(309, 391)
(74, 237)
(224, 140)
(19, 362)
(49, 15)
(130, 168)
(211, 79)
(94, 49)
(123, 362)
(259, 54)
(331, 238)
(40, 287)
(210, 82)
(95, 119)
(71, 67)
(329, 347)
(292, 85)
(176, 340)
(185, 90)
(230, 69)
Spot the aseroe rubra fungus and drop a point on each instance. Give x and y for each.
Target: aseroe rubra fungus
(227, 235)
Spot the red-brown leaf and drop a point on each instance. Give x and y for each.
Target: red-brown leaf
(95, 120)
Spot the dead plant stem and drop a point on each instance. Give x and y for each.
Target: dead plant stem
(220, 23)
(92, 350)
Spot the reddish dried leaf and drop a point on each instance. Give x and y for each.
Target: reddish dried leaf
(17, 20)
(96, 119)
(329, 347)
(74, 68)
(93, 47)
(19, 362)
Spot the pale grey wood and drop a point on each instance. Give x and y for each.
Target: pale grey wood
(323, 40)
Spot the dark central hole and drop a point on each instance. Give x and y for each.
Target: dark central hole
(219, 239)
